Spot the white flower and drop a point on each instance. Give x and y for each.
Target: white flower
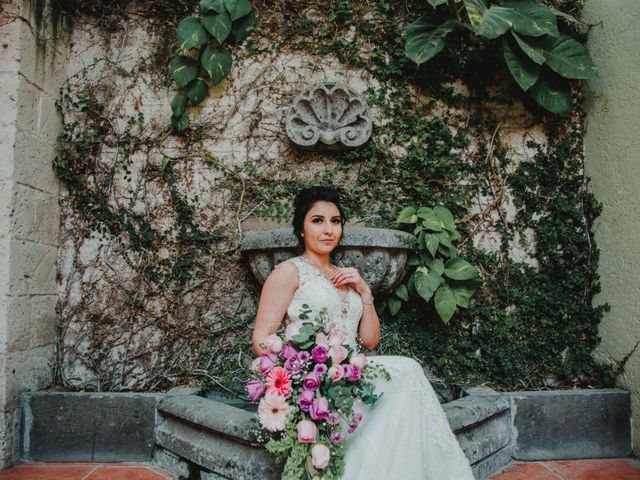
(272, 412)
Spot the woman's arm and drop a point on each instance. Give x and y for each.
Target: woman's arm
(275, 298)
(369, 328)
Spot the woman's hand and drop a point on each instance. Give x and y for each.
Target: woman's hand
(350, 277)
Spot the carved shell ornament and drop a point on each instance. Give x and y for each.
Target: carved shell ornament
(329, 115)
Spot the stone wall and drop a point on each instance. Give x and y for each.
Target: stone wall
(612, 149)
(31, 58)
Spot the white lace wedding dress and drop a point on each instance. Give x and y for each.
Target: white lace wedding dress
(405, 435)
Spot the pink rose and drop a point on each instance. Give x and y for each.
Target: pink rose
(311, 382)
(338, 354)
(320, 456)
(288, 351)
(319, 408)
(354, 373)
(306, 431)
(321, 340)
(333, 418)
(273, 343)
(335, 373)
(255, 388)
(358, 360)
(320, 369)
(335, 437)
(291, 330)
(267, 361)
(336, 338)
(305, 400)
(319, 354)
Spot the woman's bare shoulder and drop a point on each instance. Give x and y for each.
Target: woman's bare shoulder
(284, 274)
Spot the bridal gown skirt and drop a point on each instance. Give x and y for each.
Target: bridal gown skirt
(405, 435)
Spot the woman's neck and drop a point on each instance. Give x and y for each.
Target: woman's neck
(317, 259)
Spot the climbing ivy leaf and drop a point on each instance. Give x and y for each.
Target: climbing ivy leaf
(534, 52)
(179, 104)
(524, 71)
(489, 22)
(209, 6)
(218, 25)
(197, 90)
(243, 26)
(183, 69)
(191, 33)
(532, 18)
(445, 303)
(568, 57)
(217, 63)
(555, 96)
(180, 123)
(459, 269)
(425, 40)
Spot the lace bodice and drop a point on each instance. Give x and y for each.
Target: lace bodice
(344, 308)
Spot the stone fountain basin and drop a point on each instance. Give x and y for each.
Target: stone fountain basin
(380, 254)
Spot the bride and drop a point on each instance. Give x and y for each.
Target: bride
(405, 435)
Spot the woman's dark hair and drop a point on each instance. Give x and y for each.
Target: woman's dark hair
(305, 199)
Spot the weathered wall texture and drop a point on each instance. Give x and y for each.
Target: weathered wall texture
(612, 150)
(30, 66)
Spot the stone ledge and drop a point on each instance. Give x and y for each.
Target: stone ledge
(477, 407)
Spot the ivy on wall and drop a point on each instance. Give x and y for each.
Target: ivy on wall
(444, 141)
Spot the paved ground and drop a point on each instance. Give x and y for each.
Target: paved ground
(605, 469)
(609, 469)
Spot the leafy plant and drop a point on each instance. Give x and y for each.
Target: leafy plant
(440, 273)
(205, 55)
(539, 57)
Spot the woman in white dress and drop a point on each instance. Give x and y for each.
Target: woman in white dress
(405, 435)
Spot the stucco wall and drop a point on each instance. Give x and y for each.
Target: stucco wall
(612, 149)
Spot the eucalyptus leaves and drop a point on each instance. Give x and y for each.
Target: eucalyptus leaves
(205, 55)
(539, 57)
(440, 274)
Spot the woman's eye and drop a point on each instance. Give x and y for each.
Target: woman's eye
(336, 221)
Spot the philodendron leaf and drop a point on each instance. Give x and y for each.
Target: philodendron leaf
(244, 26)
(183, 69)
(430, 221)
(426, 283)
(463, 291)
(179, 104)
(431, 241)
(445, 216)
(459, 269)
(489, 22)
(534, 52)
(436, 264)
(554, 95)
(210, 6)
(425, 40)
(191, 33)
(394, 306)
(524, 71)
(402, 293)
(445, 303)
(238, 8)
(218, 25)
(407, 215)
(217, 63)
(197, 90)
(180, 123)
(568, 57)
(532, 18)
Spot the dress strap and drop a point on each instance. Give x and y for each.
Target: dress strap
(305, 271)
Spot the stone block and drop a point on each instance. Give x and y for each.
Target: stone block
(33, 268)
(474, 409)
(31, 322)
(204, 475)
(486, 467)
(9, 436)
(35, 215)
(25, 371)
(171, 463)
(571, 424)
(33, 159)
(485, 439)
(9, 44)
(100, 427)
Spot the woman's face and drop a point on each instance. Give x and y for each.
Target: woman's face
(322, 227)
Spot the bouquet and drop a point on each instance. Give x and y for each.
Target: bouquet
(307, 385)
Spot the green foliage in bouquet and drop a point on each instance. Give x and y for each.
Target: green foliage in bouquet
(539, 57)
(205, 54)
(440, 273)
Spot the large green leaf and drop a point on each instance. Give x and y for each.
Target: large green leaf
(430, 221)
(238, 8)
(217, 63)
(445, 216)
(394, 306)
(244, 26)
(459, 269)
(532, 18)
(436, 264)
(489, 22)
(183, 69)
(568, 57)
(179, 104)
(426, 283)
(463, 291)
(524, 70)
(552, 94)
(191, 33)
(445, 303)
(218, 25)
(534, 52)
(431, 241)
(407, 215)
(180, 123)
(210, 6)
(425, 40)
(402, 292)
(197, 90)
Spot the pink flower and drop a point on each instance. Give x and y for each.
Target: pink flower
(255, 388)
(353, 427)
(320, 369)
(293, 364)
(319, 408)
(354, 373)
(304, 356)
(278, 382)
(321, 340)
(288, 351)
(336, 338)
(338, 354)
(335, 373)
(272, 412)
(333, 418)
(273, 343)
(267, 361)
(319, 354)
(291, 330)
(306, 431)
(255, 366)
(305, 400)
(320, 455)
(335, 437)
(358, 360)
(311, 382)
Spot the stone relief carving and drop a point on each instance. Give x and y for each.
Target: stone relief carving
(328, 116)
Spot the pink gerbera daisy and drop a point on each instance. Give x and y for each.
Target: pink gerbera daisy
(278, 382)
(272, 412)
